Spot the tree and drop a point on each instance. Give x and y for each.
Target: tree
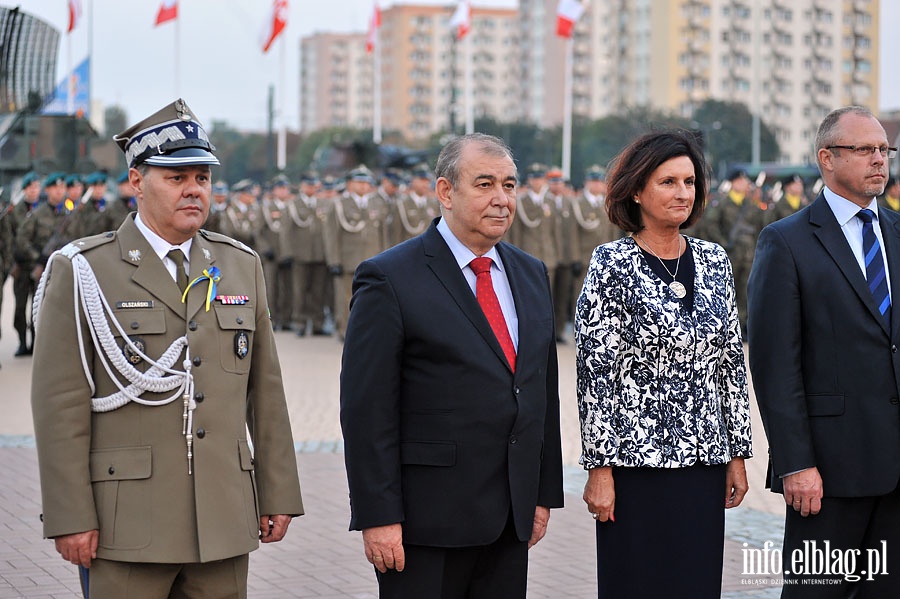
(727, 131)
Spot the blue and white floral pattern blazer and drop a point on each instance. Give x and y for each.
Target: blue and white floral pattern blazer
(659, 386)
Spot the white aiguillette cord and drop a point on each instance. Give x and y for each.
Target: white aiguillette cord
(677, 288)
(159, 378)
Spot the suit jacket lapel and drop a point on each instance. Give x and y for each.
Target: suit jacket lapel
(832, 238)
(890, 232)
(440, 260)
(150, 269)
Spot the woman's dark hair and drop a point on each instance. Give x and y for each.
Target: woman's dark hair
(630, 170)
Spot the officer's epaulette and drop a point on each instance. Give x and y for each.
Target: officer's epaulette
(88, 243)
(219, 238)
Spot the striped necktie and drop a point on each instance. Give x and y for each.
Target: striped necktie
(876, 277)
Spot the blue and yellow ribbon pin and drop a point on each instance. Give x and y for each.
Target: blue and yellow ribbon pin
(213, 275)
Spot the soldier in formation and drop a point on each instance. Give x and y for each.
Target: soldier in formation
(734, 221)
(416, 207)
(356, 229)
(302, 240)
(788, 198)
(23, 285)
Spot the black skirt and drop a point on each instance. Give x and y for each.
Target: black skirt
(668, 537)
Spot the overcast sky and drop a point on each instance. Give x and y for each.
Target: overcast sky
(223, 73)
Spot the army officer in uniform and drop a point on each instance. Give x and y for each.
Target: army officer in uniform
(148, 476)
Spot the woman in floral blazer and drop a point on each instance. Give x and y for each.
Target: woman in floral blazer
(662, 383)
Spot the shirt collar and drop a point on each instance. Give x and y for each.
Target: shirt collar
(844, 209)
(461, 253)
(160, 246)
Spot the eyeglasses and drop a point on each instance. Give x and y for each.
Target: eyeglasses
(864, 151)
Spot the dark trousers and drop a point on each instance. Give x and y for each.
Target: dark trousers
(23, 290)
(854, 528)
(563, 302)
(495, 571)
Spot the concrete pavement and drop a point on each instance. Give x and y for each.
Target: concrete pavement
(319, 557)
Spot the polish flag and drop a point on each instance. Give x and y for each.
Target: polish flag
(74, 14)
(168, 11)
(374, 25)
(567, 14)
(275, 24)
(462, 19)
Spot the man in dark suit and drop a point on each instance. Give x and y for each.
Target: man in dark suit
(823, 353)
(450, 413)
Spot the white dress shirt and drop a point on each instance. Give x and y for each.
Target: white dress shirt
(463, 256)
(161, 247)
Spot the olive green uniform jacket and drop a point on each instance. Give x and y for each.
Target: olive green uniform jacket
(126, 471)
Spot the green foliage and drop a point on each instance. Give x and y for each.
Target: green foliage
(724, 126)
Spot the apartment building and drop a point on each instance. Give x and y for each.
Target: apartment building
(790, 61)
(422, 72)
(335, 81)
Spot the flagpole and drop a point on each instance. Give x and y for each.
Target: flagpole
(567, 112)
(470, 100)
(178, 55)
(376, 78)
(90, 73)
(70, 79)
(281, 160)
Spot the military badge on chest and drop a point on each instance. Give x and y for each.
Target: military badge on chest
(241, 344)
(134, 358)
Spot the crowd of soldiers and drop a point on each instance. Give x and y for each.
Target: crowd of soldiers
(311, 236)
(46, 215)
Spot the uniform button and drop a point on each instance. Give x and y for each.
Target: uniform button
(198, 396)
(192, 325)
(196, 360)
(135, 326)
(201, 432)
(513, 440)
(239, 320)
(516, 390)
(108, 235)
(111, 470)
(894, 349)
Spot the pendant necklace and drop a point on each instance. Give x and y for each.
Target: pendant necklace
(677, 287)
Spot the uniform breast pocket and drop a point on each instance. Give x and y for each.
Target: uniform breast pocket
(236, 328)
(144, 327)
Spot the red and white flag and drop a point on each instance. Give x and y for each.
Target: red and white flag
(567, 14)
(168, 11)
(74, 14)
(275, 24)
(462, 19)
(374, 25)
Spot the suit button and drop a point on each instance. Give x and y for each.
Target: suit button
(192, 325)
(196, 360)
(201, 432)
(198, 396)
(894, 349)
(513, 440)
(516, 390)
(112, 470)
(895, 401)
(135, 326)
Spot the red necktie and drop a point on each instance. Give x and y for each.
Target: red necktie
(484, 291)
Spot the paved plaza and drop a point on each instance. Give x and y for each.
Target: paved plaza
(319, 557)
